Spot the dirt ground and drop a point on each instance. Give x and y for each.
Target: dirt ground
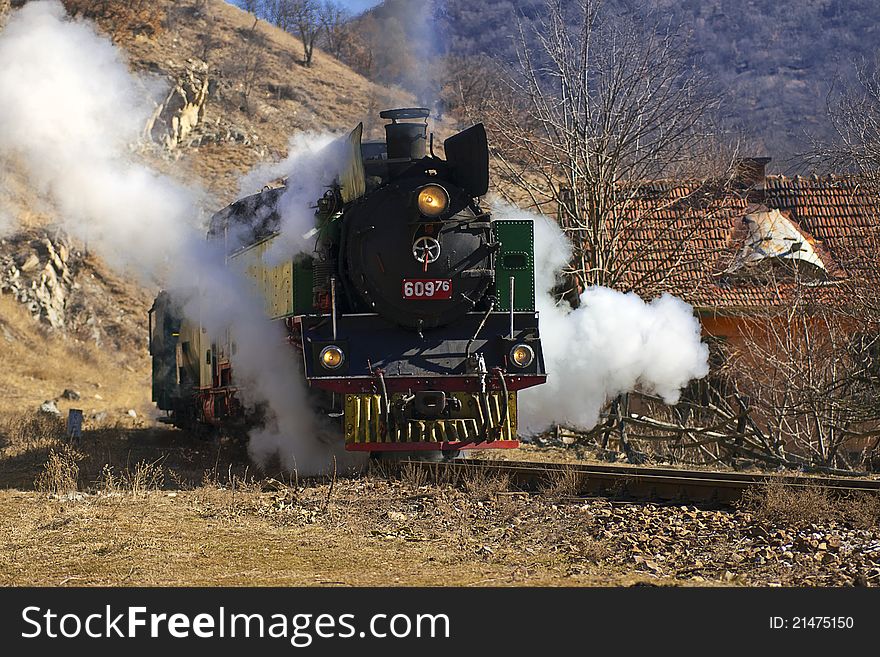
(150, 506)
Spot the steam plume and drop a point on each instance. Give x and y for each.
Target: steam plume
(613, 343)
(312, 163)
(70, 113)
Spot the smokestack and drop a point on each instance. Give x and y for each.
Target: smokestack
(406, 140)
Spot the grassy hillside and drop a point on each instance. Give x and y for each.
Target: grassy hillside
(258, 95)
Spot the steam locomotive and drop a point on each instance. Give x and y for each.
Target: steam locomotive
(414, 317)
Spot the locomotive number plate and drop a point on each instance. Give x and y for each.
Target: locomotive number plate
(427, 288)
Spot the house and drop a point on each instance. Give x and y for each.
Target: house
(746, 249)
(784, 275)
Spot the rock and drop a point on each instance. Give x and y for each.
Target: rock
(174, 121)
(99, 417)
(132, 412)
(41, 280)
(48, 407)
(99, 398)
(71, 394)
(30, 263)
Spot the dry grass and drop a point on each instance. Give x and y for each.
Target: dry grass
(862, 510)
(30, 430)
(564, 483)
(37, 363)
(804, 505)
(157, 508)
(139, 480)
(121, 16)
(479, 483)
(60, 475)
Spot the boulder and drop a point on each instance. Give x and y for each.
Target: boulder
(174, 120)
(49, 407)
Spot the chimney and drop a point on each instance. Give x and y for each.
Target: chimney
(406, 140)
(750, 172)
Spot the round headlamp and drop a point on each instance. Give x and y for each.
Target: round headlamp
(433, 201)
(332, 357)
(522, 355)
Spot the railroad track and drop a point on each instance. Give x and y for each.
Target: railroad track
(633, 482)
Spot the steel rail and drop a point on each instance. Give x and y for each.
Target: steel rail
(636, 482)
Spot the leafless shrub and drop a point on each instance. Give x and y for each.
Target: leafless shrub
(862, 510)
(481, 484)
(60, 475)
(121, 16)
(778, 503)
(563, 483)
(775, 502)
(143, 478)
(246, 67)
(414, 475)
(30, 430)
(810, 373)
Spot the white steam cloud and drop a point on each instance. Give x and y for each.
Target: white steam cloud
(313, 162)
(70, 113)
(611, 344)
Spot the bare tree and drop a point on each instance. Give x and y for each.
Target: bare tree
(810, 370)
(305, 20)
(248, 65)
(855, 118)
(252, 6)
(469, 84)
(602, 104)
(334, 26)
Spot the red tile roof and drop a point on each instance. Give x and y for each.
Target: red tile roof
(679, 238)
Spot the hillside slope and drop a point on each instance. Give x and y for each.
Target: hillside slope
(259, 94)
(240, 91)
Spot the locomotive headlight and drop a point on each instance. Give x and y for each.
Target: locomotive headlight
(332, 357)
(433, 200)
(522, 355)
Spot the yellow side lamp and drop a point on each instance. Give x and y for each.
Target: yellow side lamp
(332, 357)
(522, 355)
